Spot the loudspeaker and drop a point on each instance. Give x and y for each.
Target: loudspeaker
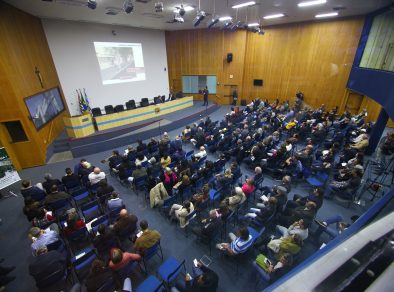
(229, 57)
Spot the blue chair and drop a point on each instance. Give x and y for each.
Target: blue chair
(189, 154)
(91, 210)
(145, 164)
(171, 269)
(96, 223)
(60, 205)
(317, 180)
(186, 193)
(168, 203)
(151, 284)
(123, 273)
(109, 285)
(214, 195)
(52, 281)
(140, 182)
(80, 196)
(115, 214)
(150, 253)
(189, 219)
(263, 275)
(79, 239)
(255, 234)
(199, 184)
(82, 261)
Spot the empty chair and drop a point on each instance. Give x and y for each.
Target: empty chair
(130, 105)
(96, 112)
(119, 108)
(144, 102)
(170, 270)
(82, 262)
(109, 109)
(91, 210)
(150, 252)
(150, 284)
(81, 196)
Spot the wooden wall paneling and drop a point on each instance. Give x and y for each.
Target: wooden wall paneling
(23, 47)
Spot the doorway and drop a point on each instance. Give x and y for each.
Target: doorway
(353, 102)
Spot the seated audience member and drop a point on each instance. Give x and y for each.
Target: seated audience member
(186, 133)
(45, 263)
(237, 198)
(350, 184)
(291, 244)
(239, 244)
(202, 280)
(169, 179)
(154, 167)
(201, 154)
(85, 170)
(157, 195)
(104, 241)
(152, 145)
(141, 158)
(104, 188)
(70, 180)
(42, 237)
(183, 168)
(126, 224)
(131, 153)
(98, 276)
(138, 173)
(200, 197)
(96, 176)
(209, 226)
(317, 197)
(74, 223)
(49, 182)
(183, 184)
(124, 169)
(175, 144)
(165, 160)
(141, 146)
(147, 239)
(385, 149)
(78, 166)
(280, 268)
(114, 160)
(362, 144)
(224, 181)
(179, 154)
(248, 187)
(37, 214)
(258, 174)
(32, 209)
(193, 164)
(181, 212)
(114, 202)
(55, 196)
(306, 213)
(32, 192)
(223, 211)
(298, 227)
(121, 259)
(265, 210)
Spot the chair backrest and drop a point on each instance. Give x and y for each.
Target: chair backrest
(175, 272)
(80, 194)
(150, 252)
(59, 204)
(144, 102)
(114, 214)
(82, 262)
(52, 278)
(79, 235)
(101, 220)
(109, 109)
(90, 208)
(132, 103)
(96, 111)
(56, 245)
(119, 108)
(169, 201)
(109, 285)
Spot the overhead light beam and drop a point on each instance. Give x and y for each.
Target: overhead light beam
(250, 3)
(326, 15)
(274, 16)
(311, 3)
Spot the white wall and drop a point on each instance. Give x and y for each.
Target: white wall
(71, 45)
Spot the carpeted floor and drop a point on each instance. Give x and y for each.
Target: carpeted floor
(15, 246)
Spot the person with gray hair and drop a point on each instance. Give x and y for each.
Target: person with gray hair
(209, 226)
(49, 182)
(41, 237)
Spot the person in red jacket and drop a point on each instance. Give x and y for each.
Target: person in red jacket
(74, 223)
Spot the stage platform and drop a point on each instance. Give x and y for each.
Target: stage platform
(128, 134)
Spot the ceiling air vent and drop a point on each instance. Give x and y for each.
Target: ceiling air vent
(112, 10)
(339, 8)
(143, 1)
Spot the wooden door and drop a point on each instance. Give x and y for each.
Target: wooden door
(353, 102)
(388, 61)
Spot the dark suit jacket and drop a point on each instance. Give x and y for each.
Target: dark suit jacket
(33, 192)
(210, 227)
(53, 197)
(126, 225)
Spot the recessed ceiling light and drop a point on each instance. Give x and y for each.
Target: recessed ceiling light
(310, 3)
(326, 15)
(274, 16)
(224, 18)
(250, 3)
(253, 24)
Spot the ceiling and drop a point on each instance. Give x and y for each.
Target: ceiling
(144, 13)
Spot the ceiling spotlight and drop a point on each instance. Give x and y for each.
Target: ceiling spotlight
(178, 18)
(326, 15)
(236, 25)
(213, 21)
(311, 3)
(227, 24)
(253, 24)
(92, 4)
(159, 7)
(182, 9)
(128, 6)
(261, 31)
(274, 16)
(200, 17)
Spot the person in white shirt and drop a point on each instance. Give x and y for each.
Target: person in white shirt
(297, 227)
(201, 154)
(96, 176)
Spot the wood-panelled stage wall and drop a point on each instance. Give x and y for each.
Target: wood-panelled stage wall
(314, 58)
(23, 47)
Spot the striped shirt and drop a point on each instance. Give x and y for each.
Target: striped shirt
(241, 246)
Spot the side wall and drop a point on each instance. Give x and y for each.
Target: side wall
(315, 58)
(73, 52)
(23, 47)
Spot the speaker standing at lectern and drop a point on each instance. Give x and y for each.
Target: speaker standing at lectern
(171, 96)
(205, 93)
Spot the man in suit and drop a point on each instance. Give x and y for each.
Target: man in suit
(205, 93)
(209, 226)
(55, 196)
(32, 192)
(46, 263)
(126, 224)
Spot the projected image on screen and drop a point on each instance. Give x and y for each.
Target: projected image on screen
(120, 62)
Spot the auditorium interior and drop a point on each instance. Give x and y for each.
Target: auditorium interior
(196, 145)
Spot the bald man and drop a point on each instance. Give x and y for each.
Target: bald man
(126, 225)
(96, 176)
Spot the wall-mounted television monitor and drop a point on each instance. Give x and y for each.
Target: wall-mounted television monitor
(44, 106)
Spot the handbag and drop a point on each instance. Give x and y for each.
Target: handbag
(263, 262)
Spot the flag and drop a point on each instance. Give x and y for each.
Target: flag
(82, 103)
(87, 101)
